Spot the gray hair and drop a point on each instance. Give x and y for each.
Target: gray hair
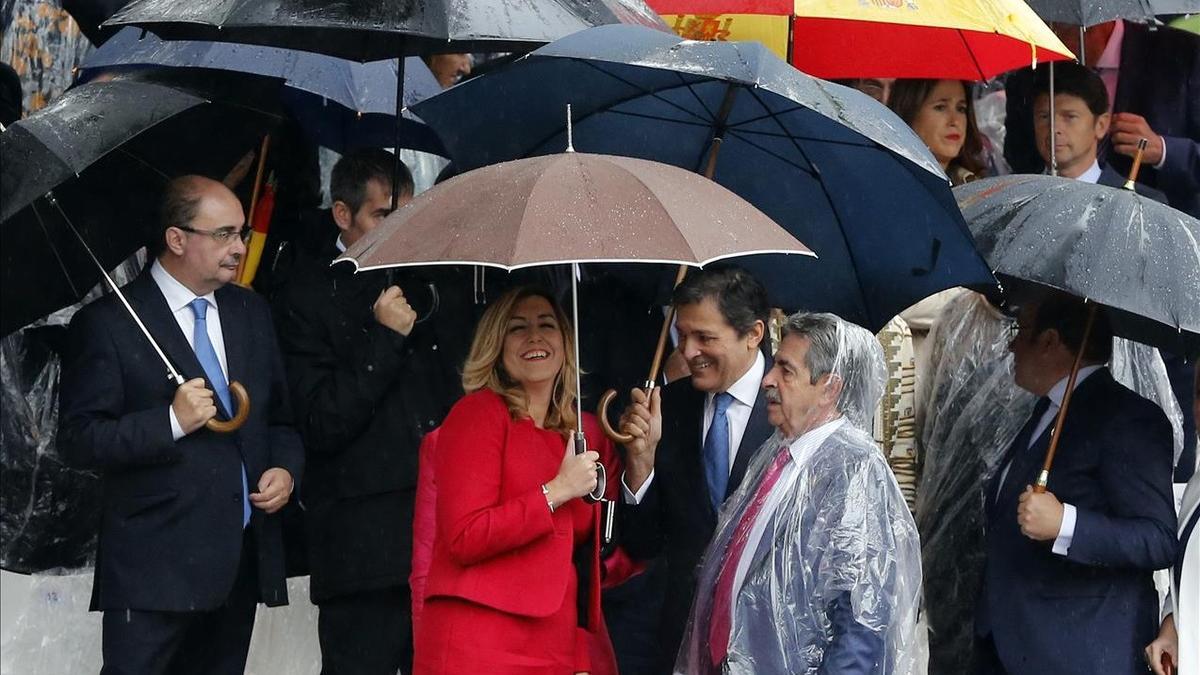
(846, 351)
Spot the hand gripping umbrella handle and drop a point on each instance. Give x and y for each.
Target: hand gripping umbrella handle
(243, 411)
(597, 493)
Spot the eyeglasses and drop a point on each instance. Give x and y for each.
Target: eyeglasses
(224, 235)
(1013, 327)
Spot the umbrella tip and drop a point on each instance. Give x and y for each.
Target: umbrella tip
(570, 131)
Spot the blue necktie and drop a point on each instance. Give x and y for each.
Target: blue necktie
(716, 450)
(216, 379)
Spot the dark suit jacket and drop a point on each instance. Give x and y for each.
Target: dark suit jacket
(1160, 80)
(675, 518)
(171, 528)
(365, 396)
(1093, 610)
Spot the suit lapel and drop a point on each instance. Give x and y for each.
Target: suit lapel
(148, 301)
(234, 332)
(758, 429)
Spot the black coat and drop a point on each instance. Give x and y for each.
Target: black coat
(365, 396)
(171, 527)
(675, 518)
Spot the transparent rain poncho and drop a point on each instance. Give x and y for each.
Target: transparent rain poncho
(969, 413)
(832, 542)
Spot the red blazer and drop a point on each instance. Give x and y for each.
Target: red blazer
(496, 542)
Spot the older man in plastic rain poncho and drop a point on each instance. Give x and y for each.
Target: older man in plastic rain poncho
(815, 567)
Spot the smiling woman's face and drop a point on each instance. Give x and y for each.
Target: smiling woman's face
(533, 342)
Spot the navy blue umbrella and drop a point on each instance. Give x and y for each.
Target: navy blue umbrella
(342, 104)
(839, 171)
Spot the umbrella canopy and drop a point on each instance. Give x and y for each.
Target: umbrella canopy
(105, 149)
(959, 39)
(371, 30)
(1092, 12)
(340, 103)
(1137, 257)
(839, 171)
(572, 208)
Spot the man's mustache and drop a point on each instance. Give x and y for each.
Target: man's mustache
(772, 395)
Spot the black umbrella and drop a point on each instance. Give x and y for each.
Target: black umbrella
(370, 30)
(1137, 258)
(95, 161)
(1092, 12)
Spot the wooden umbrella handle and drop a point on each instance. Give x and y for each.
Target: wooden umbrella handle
(1044, 477)
(243, 411)
(1131, 184)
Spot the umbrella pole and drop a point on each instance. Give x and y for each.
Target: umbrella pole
(235, 388)
(1053, 155)
(399, 131)
(710, 169)
(1131, 183)
(597, 494)
(1044, 477)
(1082, 49)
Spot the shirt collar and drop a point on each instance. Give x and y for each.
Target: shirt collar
(177, 295)
(341, 247)
(802, 447)
(1056, 392)
(1092, 175)
(1111, 56)
(745, 390)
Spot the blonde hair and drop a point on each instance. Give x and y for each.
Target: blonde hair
(484, 368)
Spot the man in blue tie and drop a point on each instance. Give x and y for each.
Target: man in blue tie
(1068, 584)
(190, 540)
(691, 447)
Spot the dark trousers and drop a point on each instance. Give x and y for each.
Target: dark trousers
(368, 633)
(139, 642)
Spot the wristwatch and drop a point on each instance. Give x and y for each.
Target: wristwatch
(546, 494)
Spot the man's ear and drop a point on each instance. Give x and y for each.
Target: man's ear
(1102, 124)
(174, 239)
(342, 215)
(831, 389)
(754, 336)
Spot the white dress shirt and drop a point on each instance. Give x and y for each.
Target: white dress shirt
(179, 300)
(801, 450)
(1092, 175)
(1066, 531)
(744, 392)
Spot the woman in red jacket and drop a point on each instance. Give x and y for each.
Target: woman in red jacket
(503, 594)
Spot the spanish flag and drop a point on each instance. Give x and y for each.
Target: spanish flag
(260, 222)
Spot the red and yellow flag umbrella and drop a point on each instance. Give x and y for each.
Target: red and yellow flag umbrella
(945, 39)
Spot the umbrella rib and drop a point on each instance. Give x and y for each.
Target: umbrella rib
(772, 153)
(828, 198)
(978, 68)
(642, 91)
(57, 256)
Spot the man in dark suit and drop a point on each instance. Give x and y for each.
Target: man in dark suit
(1068, 581)
(189, 540)
(1152, 76)
(369, 379)
(691, 447)
(1081, 124)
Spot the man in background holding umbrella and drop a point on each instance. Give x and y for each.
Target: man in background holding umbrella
(367, 386)
(189, 540)
(691, 447)
(1068, 582)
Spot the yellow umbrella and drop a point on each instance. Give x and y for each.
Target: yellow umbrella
(944, 39)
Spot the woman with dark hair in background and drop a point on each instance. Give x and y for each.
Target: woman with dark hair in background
(943, 115)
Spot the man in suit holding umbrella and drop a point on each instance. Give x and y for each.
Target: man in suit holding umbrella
(1068, 581)
(691, 447)
(189, 538)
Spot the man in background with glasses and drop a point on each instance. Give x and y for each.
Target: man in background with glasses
(190, 539)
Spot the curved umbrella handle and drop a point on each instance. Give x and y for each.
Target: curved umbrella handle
(243, 411)
(602, 415)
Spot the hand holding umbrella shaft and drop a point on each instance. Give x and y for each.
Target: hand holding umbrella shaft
(1039, 514)
(576, 477)
(193, 405)
(393, 311)
(643, 421)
